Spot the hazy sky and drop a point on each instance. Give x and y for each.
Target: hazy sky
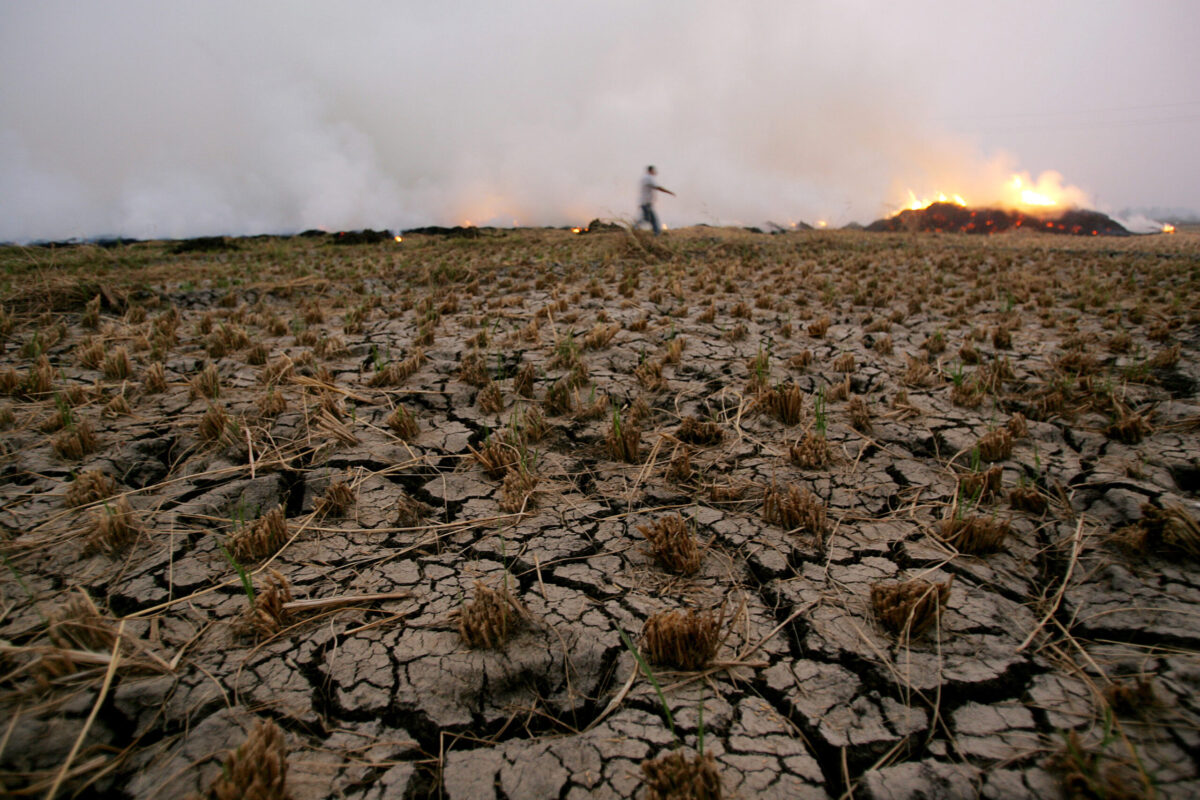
(178, 119)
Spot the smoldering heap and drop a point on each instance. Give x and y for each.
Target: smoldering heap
(953, 218)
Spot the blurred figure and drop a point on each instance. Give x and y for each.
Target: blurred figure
(648, 187)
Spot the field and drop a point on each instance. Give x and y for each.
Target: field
(528, 514)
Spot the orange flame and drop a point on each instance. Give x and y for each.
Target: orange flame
(398, 238)
(1168, 228)
(1030, 197)
(1020, 192)
(576, 230)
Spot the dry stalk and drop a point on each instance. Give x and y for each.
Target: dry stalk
(113, 528)
(1085, 775)
(268, 615)
(1165, 359)
(523, 380)
(727, 492)
(207, 383)
(328, 423)
(410, 512)
(531, 427)
(1128, 428)
(262, 539)
(967, 394)
(90, 354)
(693, 431)
(336, 500)
(600, 336)
(403, 423)
(277, 371)
(118, 406)
(786, 403)
(490, 399)
(801, 360)
(649, 375)
(795, 509)
(490, 618)
(516, 493)
(257, 355)
(811, 451)
(624, 439)
(213, 424)
(839, 391)
(860, 415)
(255, 771)
(78, 624)
(1164, 531)
(386, 376)
(1018, 426)
(75, 442)
(473, 370)
(907, 609)
(558, 398)
(974, 535)
(995, 445)
(675, 350)
(10, 381)
(918, 373)
(680, 469)
(271, 403)
(89, 486)
(154, 379)
(595, 407)
(1027, 498)
(685, 640)
(116, 364)
(986, 485)
(819, 328)
(410, 365)
(675, 776)
(673, 544)
(1132, 697)
(495, 457)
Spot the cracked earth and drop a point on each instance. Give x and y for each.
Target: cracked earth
(511, 412)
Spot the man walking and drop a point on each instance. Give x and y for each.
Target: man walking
(648, 187)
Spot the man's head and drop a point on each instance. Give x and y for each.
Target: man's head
(651, 170)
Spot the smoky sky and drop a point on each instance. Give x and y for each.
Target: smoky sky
(155, 119)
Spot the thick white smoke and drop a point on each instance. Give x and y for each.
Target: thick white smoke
(154, 119)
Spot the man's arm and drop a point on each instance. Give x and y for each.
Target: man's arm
(667, 191)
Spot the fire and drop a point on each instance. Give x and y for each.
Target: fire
(822, 223)
(916, 204)
(1030, 197)
(1168, 228)
(576, 230)
(398, 238)
(1021, 192)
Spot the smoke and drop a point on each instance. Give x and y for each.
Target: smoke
(153, 119)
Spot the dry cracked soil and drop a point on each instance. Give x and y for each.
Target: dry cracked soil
(289, 517)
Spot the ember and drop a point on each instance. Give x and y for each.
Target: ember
(954, 218)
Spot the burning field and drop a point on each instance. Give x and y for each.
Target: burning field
(528, 514)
